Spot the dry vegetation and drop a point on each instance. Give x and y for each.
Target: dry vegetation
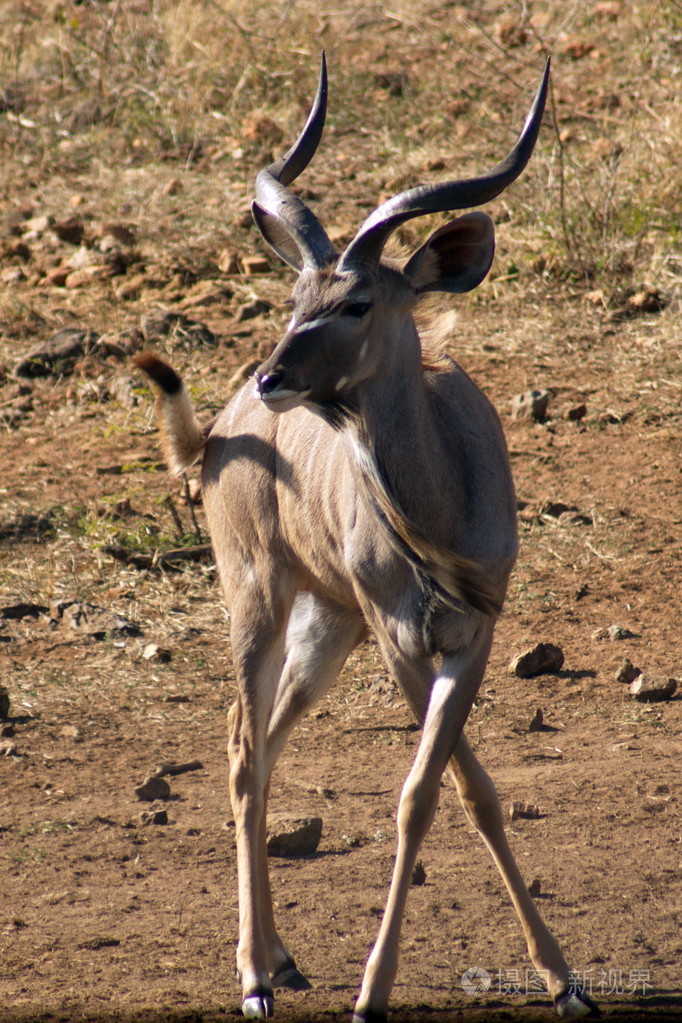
(130, 135)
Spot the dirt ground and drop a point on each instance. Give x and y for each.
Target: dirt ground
(114, 644)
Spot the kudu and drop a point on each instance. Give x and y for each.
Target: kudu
(380, 502)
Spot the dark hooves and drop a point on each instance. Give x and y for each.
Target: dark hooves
(289, 976)
(575, 1003)
(369, 1016)
(259, 1004)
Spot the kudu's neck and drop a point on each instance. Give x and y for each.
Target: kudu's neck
(394, 425)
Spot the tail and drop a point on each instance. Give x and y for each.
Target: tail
(183, 438)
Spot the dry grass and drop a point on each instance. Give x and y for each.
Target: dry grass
(418, 91)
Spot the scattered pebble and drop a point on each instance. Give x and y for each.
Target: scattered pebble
(536, 721)
(529, 811)
(627, 672)
(249, 310)
(418, 874)
(70, 230)
(172, 326)
(543, 659)
(4, 703)
(228, 262)
(576, 412)
(69, 732)
(255, 265)
(153, 788)
(648, 300)
(58, 355)
(157, 654)
(531, 405)
(653, 688)
(22, 610)
(293, 836)
(614, 632)
(154, 817)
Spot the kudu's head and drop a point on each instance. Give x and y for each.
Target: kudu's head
(343, 305)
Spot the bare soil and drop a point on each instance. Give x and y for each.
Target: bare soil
(106, 915)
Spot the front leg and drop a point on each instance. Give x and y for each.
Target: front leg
(449, 703)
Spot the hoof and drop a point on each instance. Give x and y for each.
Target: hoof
(575, 1005)
(259, 1005)
(288, 976)
(369, 1016)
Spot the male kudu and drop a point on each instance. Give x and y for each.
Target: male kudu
(382, 502)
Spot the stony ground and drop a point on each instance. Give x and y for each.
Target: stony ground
(129, 151)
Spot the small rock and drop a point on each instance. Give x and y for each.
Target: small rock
(153, 788)
(69, 230)
(6, 731)
(653, 688)
(576, 412)
(535, 887)
(7, 748)
(4, 703)
(18, 250)
(100, 942)
(207, 294)
(649, 300)
(122, 389)
(536, 721)
(132, 287)
(255, 265)
(531, 405)
(555, 509)
(615, 633)
(293, 836)
(56, 277)
(154, 817)
(58, 355)
(80, 278)
(529, 811)
(627, 672)
(418, 874)
(249, 310)
(156, 653)
(122, 234)
(69, 732)
(178, 328)
(228, 262)
(23, 610)
(38, 225)
(543, 659)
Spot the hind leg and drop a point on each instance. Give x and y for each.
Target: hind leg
(482, 806)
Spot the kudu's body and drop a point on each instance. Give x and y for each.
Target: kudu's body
(382, 502)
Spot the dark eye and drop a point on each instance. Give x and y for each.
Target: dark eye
(357, 309)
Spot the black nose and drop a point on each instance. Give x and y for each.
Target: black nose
(269, 381)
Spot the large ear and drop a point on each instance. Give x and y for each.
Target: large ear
(277, 236)
(456, 257)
